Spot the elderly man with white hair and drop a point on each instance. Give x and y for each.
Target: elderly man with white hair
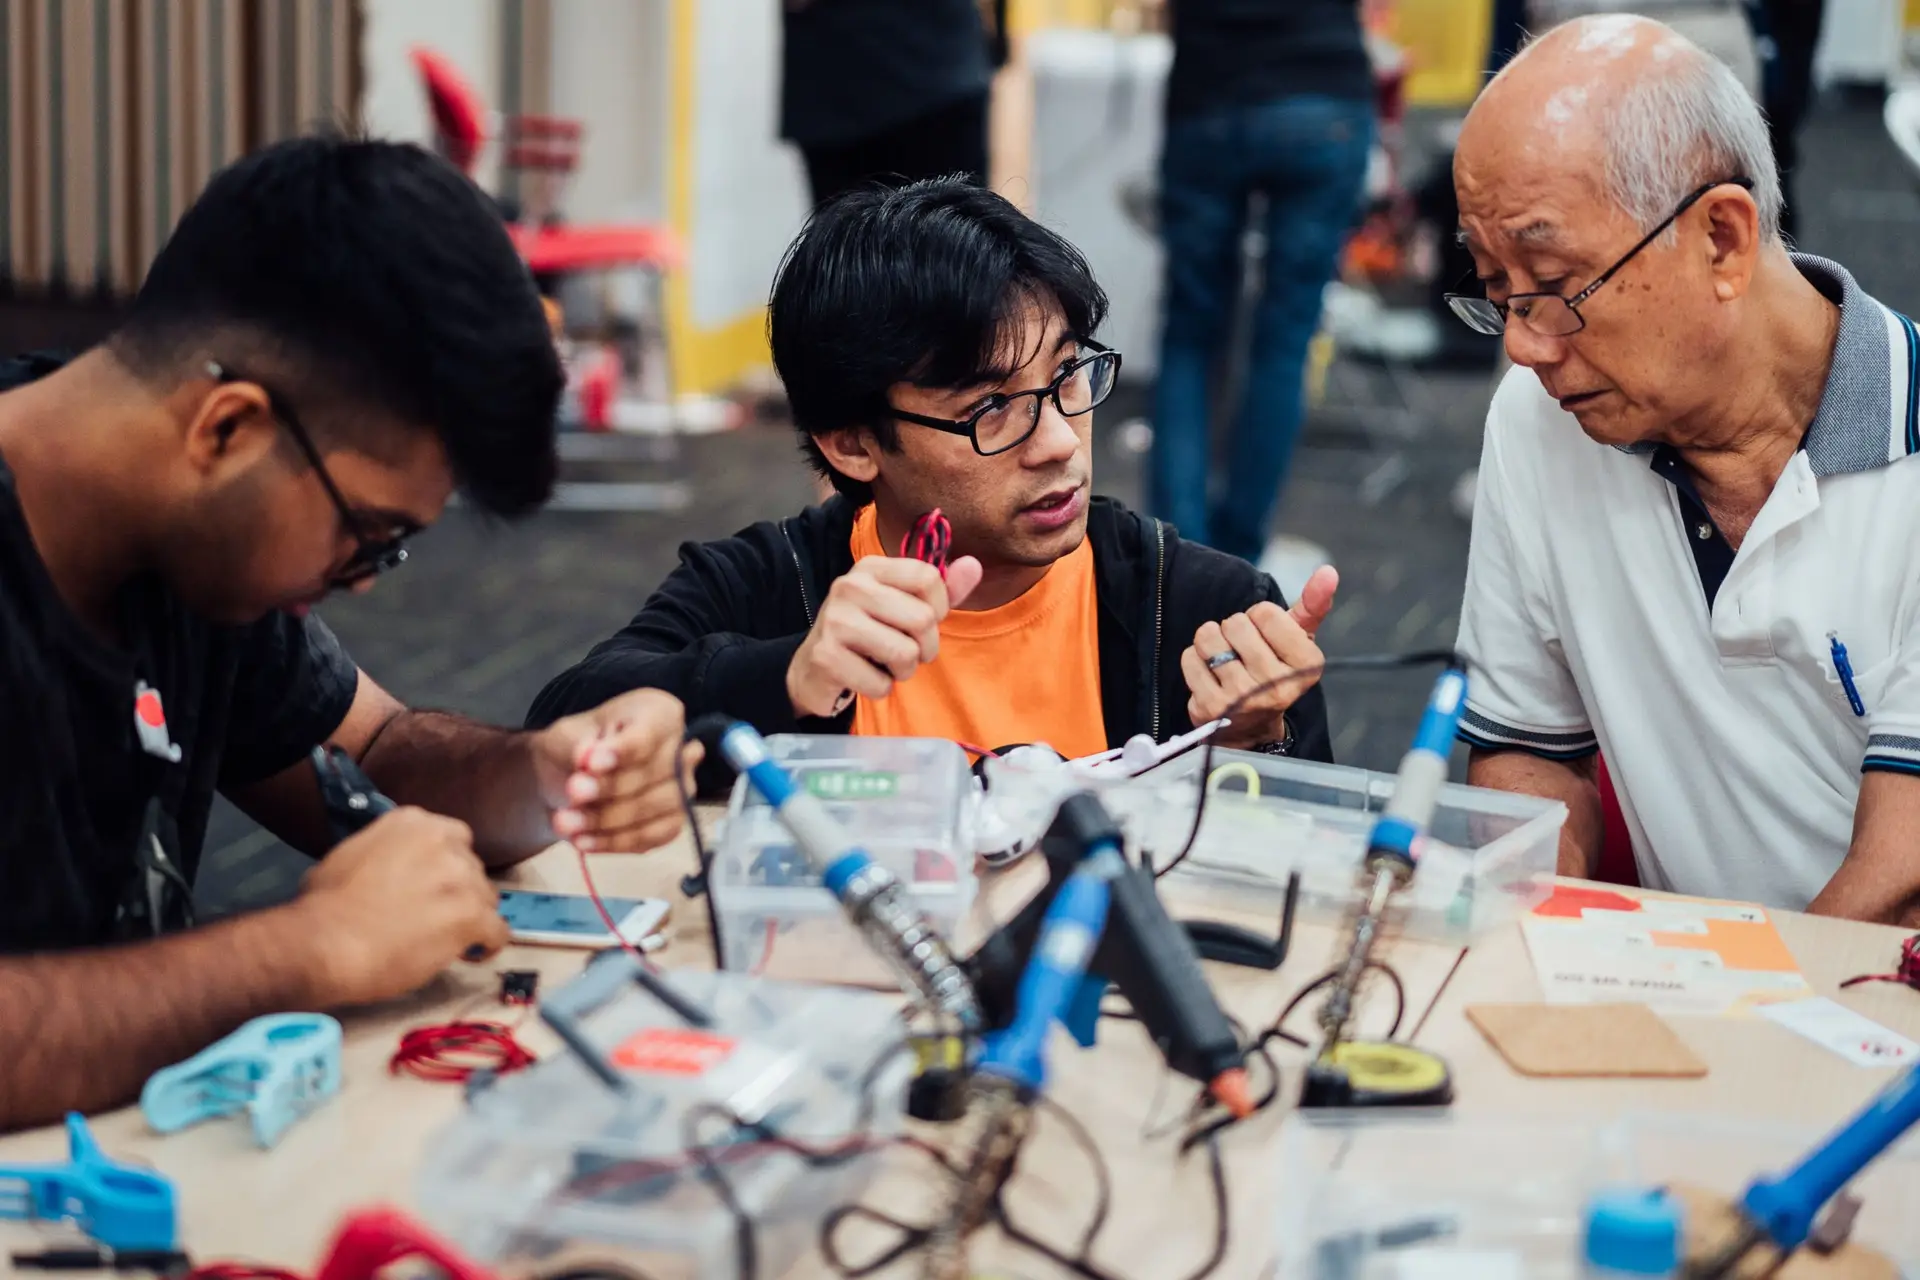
(1697, 542)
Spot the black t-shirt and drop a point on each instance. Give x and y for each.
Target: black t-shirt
(242, 703)
(852, 69)
(1238, 52)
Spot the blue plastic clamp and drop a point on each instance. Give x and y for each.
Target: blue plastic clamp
(121, 1206)
(278, 1068)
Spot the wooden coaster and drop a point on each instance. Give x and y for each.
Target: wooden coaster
(1711, 1220)
(1585, 1040)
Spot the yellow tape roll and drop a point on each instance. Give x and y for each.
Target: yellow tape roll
(1235, 769)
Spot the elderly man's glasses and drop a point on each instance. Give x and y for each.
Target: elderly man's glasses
(1005, 421)
(374, 552)
(1549, 314)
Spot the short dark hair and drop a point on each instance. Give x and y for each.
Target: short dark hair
(915, 284)
(370, 275)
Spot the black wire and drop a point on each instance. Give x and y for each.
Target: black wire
(1217, 1172)
(704, 858)
(1352, 662)
(1102, 1176)
(1277, 1029)
(1226, 1119)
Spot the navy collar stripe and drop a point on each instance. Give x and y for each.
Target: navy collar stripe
(1913, 385)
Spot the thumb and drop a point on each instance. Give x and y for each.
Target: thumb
(963, 575)
(1316, 599)
(572, 738)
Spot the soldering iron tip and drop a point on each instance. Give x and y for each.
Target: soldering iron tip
(1229, 1088)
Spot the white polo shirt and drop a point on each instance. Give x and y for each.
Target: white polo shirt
(1604, 610)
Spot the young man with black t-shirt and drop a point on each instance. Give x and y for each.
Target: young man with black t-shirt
(337, 335)
(938, 350)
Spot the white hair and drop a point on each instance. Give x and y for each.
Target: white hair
(1667, 133)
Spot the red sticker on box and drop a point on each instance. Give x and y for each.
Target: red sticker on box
(669, 1051)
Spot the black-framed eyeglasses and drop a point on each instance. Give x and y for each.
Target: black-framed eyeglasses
(373, 554)
(1549, 314)
(1006, 421)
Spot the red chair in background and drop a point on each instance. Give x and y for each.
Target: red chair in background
(1616, 848)
(544, 150)
(549, 148)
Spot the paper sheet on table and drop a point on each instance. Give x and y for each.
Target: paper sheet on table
(1677, 955)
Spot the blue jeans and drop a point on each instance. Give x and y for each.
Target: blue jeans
(1308, 154)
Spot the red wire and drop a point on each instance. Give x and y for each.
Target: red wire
(451, 1052)
(606, 917)
(930, 539)
(1908, 974)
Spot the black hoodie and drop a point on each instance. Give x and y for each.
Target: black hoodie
(721, 631)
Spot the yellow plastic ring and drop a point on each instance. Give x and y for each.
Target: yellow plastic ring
(1236, 769)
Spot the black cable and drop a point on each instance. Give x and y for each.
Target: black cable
(1277, 1030)
(700, 882)
(1217, 1172)
(1102, 1176)
(1226, 1119)
(1352, 662)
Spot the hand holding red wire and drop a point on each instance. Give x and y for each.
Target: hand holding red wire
(930, 539)
(880, 621)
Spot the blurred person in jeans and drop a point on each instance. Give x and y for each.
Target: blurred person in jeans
(887, 90)
(1273, 96)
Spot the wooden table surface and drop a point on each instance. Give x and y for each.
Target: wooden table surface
(364, 1147)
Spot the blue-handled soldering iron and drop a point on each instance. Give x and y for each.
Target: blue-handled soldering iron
(1069, 935)
(872, 896)
(1389, 860)
(1780, 1209)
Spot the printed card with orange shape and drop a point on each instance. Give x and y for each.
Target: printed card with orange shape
(1676, 955)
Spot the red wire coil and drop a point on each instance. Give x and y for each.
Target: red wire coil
(1907, 974)
(930, 539)
(453, 1051)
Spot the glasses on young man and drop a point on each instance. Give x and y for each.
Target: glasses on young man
(1549, 314)
(1005, 422)
(374, 552)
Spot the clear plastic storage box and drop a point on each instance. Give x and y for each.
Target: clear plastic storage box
(551, 1157)
(1488, 856)
(1366, 1197)
(909, 802)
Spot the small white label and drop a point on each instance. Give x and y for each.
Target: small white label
(1458, 1264)
(1068, 944)
(1858, 1039)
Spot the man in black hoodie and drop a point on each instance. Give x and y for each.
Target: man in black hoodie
(937, 350)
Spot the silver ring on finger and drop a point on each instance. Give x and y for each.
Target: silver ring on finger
(1224, 658)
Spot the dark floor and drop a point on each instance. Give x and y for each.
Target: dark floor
(481, 617)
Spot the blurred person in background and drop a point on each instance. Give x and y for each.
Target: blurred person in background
(1787, 32)
(1274, 97)
(888, 90)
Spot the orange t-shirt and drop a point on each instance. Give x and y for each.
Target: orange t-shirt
(1028, 671)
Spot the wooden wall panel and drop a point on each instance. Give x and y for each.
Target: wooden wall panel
(114, 113)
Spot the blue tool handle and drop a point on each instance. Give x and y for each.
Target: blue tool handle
(746, 751)
(1069, 934)
(1423, 771)
(1787, 1204)
(1441, 720)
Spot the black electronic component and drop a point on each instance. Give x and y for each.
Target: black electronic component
(1142, 951)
